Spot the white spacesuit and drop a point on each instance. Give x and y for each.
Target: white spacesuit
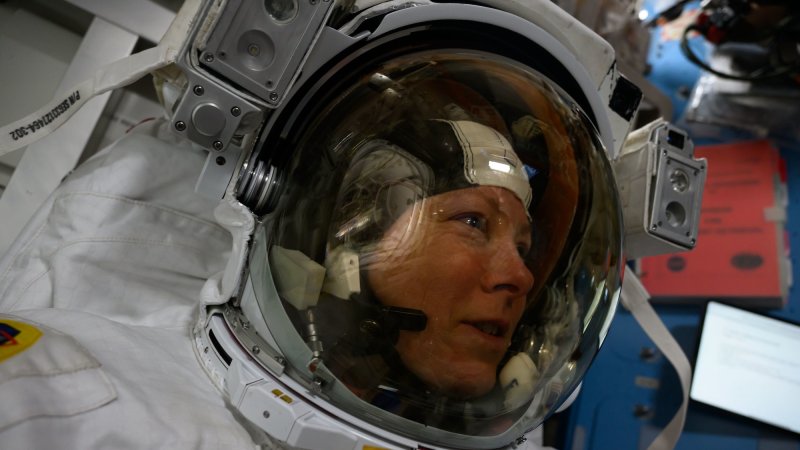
(418, 246)
(110, 272)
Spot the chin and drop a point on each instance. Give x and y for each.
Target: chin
(469, 384)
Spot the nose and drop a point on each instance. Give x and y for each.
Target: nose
(506, 271)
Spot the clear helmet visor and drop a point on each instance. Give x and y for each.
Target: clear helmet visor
(446, 249)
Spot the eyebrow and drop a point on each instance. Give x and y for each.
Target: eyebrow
(493, 202)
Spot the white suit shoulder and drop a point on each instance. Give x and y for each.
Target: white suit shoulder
(107, 276)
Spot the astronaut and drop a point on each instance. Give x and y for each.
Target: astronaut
(421, 247)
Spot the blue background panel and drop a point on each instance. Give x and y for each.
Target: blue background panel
(631, 391)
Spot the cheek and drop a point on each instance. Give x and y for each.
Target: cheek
(428, 347)
(435, 276)
(402, 272)
(395, 281)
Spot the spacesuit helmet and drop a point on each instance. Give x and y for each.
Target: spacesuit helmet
(443, 256)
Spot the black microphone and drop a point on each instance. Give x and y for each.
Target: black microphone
(405, 319)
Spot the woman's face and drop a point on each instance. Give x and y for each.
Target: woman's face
(459, 259)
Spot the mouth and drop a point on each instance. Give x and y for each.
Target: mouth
(493, 329)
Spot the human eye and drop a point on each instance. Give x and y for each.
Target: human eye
(524, 244)
(473, 220)
(523, 249)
